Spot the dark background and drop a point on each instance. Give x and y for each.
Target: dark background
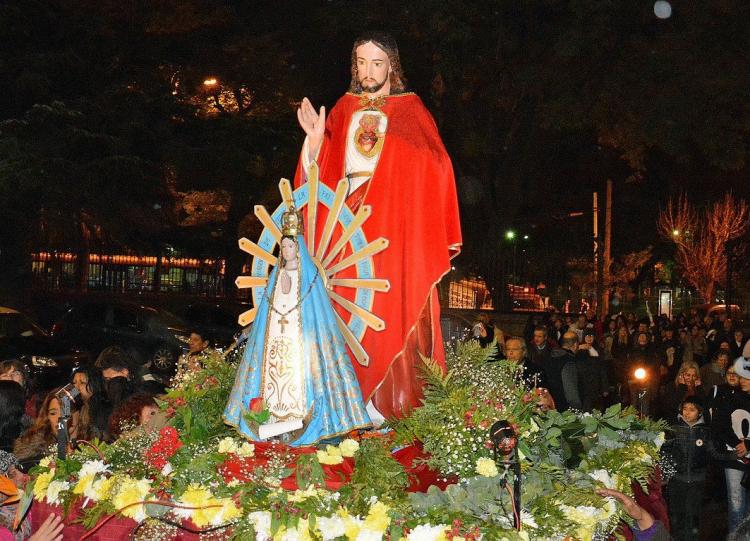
(106, 119)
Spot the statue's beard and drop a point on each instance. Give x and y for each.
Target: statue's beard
(371, 88)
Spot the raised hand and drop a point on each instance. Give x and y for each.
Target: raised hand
(314, 124)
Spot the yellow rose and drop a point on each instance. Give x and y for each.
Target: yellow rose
(228, 445)
(486, 467)
(377, 518)
(246, 450)
(348, 447)
(327, 458)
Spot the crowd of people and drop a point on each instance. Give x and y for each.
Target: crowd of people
(692, 372)
(112, 399)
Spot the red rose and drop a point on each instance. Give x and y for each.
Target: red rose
(256, 405)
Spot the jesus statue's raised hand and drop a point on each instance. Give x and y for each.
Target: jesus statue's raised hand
(314, 124)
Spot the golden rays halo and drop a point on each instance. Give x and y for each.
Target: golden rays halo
(326, 254)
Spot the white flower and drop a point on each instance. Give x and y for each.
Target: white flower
(47, 461)
(246, 449)
(348, 447)
(167, 469)
(659, 440)
(331, 527)
(426, 532)
(486, 467)
(227, 445)
(54, 489)
(369, 535)
(528, 520)
(603, 477)
(261, 521)
(92, 467)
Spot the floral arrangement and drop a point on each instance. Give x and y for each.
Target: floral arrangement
(199, 472)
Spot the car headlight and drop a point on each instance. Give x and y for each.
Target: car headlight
(45, 362)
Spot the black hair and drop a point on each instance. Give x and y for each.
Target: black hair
(116, 358)
(11, 413)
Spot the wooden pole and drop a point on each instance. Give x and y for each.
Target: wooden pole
(607, 262)
(597, 259)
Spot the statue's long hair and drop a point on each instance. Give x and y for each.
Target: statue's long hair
(388, 45)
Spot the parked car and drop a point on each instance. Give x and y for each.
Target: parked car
(49, 360)
(154, 337)
(735, 312)
(217, 321)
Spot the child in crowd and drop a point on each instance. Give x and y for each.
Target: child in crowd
(690, 448)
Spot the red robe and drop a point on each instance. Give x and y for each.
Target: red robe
(413, 198)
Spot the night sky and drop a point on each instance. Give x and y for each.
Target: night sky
(538, 104)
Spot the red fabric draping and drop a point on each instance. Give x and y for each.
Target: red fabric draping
(414, 206)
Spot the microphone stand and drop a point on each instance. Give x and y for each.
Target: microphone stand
(500, 432)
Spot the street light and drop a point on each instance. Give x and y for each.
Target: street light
(525, 237)
(675, 232)
(511, 236)
(210, 82)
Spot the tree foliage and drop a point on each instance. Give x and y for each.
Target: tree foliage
(702, 238)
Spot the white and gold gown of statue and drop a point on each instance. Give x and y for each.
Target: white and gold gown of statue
(296, 360)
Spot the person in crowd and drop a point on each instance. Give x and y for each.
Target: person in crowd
(669, 351)
(690, 448)
(686, 385)
(730, 430)
(581, 324)
(95, 409)
(539, 349)
(609, 338)
(35, 443)
(698, 346)
(645, 527)
(9, 469)
(483, 331)
(121, 378)
(11, 414)
(558, 330)
(722, 392)
(199, 346)
(561, 375)
(50, 530)
(15, 370)
(593, 382)
(737, 344)
(713, 373)
(620, 355)
(138, 410)
(515, 351)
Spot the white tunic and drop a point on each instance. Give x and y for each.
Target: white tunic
(283, 362)
(361, 159)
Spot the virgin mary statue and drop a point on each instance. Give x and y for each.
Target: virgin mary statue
(296, 359)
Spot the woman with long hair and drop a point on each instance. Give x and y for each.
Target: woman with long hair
(687, 384)
(95, 408)
(11, 414)
(36, 441)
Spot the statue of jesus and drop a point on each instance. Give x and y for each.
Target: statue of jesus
(385, 142)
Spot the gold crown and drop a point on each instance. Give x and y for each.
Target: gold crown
(292, 223)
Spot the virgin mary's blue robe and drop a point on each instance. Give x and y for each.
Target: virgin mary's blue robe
(333, 397)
